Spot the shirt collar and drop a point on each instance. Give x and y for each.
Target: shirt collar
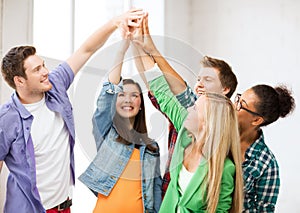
(24, 113)
(256, 146)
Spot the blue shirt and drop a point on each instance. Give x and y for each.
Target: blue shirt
(16, 147)
(112, 156)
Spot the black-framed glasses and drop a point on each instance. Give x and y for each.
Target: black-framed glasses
(239, 105)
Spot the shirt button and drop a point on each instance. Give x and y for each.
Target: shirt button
(110, 91)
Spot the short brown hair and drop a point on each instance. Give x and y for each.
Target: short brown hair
(13, 63)
(226, 75)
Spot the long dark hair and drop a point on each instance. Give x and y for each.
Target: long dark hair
(139, 134)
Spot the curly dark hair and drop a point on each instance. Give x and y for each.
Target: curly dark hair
(273, 102)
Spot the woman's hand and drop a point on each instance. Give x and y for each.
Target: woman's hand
(143, 39)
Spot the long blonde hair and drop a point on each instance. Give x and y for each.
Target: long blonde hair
(220, 141)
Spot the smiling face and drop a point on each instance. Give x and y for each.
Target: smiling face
(208, 81)
(246, 119)
(32, 88)
(129, 101)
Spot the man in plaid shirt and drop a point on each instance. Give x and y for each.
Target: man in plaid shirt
(261, 174)
(215, 76)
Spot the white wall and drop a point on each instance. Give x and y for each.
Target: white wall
(260, 39)
(15, 30)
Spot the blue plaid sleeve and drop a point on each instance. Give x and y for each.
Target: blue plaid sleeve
(187, 98)
(261, 177)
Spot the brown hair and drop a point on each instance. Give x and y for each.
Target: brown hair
(13, 63)
(139, 134)
(226, 75)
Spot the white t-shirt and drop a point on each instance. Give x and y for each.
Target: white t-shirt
(52, 154)
(183, 180)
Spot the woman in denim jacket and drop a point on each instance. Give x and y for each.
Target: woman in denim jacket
(125, 174)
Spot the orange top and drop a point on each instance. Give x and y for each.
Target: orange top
(126, 196)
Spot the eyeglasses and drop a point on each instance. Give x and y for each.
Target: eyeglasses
(239, 105)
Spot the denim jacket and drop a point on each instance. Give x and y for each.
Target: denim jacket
(112, 157)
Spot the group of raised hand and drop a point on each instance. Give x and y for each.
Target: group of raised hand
(136, 30)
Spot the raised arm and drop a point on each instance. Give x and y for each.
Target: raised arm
(103, 116)
(176, 82)
(138, 53)
(115, 74)
(167, 101)
(98, 38)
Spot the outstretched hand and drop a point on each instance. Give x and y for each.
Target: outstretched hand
(142, 37)
(129, 20)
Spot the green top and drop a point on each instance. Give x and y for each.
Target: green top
(193, 199)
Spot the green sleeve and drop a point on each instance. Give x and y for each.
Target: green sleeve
(168, 102)
(227, 187)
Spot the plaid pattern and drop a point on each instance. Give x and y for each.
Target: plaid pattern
(261, 176)
(187, 98)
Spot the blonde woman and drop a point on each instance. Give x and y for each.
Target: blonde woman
(206, 172)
